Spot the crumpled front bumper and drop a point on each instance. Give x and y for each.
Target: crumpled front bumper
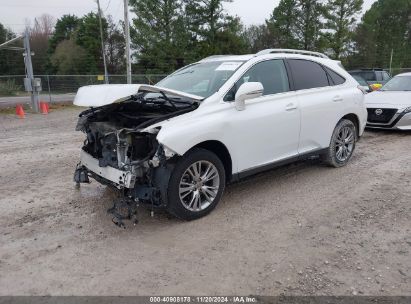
(119, 178)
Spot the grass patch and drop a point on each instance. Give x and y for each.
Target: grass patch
(9, 88)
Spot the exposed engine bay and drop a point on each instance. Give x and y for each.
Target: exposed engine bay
(119, 153)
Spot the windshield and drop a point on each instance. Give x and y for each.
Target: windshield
(360, 80)
(202, 79)
(399, 83)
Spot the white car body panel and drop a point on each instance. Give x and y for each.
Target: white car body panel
(404, 123)
(237, 130)
(389, 99)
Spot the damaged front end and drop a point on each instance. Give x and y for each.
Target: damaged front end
(122, 152)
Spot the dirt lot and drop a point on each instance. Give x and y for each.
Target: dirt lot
(304, 229)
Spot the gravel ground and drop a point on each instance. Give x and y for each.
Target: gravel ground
(303, 229)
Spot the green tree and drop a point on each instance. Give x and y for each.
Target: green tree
(282, 24)
(206, 18)
(259, 37)
(341, 17)
(308, 24)
(383, 28)
(87, 35)
(115, 48)
(157, 33)
(64, 29)
(70, 58)
(230, 39)
(11, 62)
(297, 24)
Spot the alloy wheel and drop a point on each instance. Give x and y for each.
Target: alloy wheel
(344, 145)
(199, 186)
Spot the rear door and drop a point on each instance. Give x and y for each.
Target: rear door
(320, 102)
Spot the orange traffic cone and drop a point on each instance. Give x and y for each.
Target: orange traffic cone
(44, 109)
(20, 111)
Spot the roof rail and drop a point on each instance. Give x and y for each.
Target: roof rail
(291, 51)
(214, 57)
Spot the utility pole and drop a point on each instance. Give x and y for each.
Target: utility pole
(29, 70)
(31, 84)
(392, 55)
(102, 43)
(127, 32)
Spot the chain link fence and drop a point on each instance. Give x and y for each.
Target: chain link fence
(12, 85)
(52, 85)
(400, 71)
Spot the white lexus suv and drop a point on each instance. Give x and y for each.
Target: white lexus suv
(177, 144)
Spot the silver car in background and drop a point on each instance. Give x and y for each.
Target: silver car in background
(390, 107)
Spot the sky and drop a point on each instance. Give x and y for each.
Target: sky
(16, 13)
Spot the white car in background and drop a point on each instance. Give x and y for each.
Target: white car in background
(176, 145)
(390, 107)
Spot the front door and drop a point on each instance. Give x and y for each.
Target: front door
(268, 129)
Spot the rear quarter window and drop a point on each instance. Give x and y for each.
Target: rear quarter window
(336, 79)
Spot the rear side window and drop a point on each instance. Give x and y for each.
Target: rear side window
(308, 74)
(336, 79)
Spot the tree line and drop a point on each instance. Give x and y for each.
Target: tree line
(168, 34)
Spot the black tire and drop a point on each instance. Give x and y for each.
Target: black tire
(331, 157)
(175, 204)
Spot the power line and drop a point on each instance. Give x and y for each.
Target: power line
(108, 5)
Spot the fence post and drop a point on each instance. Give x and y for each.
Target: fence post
(48, 84)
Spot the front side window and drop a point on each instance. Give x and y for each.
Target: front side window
(201, 79)
(399, 83)
(272, 74)
(308, 74)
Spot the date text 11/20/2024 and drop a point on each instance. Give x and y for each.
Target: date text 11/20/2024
(204, 299)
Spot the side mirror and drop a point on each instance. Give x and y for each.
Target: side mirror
(248, 90)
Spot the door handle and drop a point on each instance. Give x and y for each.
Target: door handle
(337, 99)
(291, 107)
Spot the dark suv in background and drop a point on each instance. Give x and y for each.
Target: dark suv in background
(372, 76)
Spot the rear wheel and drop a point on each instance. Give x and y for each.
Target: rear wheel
(342, 144)
(196, 185)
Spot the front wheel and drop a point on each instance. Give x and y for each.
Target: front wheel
(196, 185)
(342, 144)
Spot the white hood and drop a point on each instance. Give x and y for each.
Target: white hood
(399, 99)
(104, 94)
